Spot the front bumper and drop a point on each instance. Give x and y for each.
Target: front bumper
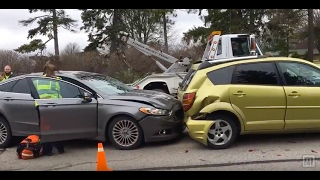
(162, 128)
(198, 129)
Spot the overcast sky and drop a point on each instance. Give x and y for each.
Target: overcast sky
(12, 35)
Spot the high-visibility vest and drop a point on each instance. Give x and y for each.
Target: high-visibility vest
(47, 88)
(6, 77)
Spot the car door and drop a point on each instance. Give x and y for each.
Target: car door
(18, 107)
(302, 88)
(256, 92)
(68, 117)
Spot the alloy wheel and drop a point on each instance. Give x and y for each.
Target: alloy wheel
(220, 133)
(125, 133)
(3, 133)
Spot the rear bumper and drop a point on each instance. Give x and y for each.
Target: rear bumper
(198, 129)
(161, 128)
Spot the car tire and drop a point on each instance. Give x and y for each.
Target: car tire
(227, 128)
(5, 133)
(119, 127)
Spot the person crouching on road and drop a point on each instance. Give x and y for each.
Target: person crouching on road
(49, 71)
(2, 75)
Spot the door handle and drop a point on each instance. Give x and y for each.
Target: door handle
(50, 104)
(294, 93)
(7, 98)
(239, 93)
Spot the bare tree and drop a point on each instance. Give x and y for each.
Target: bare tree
(71, 48)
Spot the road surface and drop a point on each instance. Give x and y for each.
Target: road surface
(263, 152)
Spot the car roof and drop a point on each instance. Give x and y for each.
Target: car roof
(69, 74)
(72, 74)
(234, 61)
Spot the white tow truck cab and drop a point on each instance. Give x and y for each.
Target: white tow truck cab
(218, 47)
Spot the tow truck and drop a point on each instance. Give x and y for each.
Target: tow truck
(218, 47)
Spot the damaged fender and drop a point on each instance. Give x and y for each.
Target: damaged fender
(198, 129)
(223, 106)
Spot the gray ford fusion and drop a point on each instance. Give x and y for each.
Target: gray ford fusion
(91, 106)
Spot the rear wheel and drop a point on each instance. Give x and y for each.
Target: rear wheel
(5, 133)
(222, 133)
(125, 133)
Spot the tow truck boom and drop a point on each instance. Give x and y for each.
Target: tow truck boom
(148, 51)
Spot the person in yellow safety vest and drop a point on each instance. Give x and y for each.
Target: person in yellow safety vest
(7, 71)
(49, 90)
(2, 75)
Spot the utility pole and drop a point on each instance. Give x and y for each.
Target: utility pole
(310, 35)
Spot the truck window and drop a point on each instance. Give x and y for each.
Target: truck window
(219, 50)
(240, 47)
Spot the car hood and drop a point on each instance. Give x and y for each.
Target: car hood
(156, 99)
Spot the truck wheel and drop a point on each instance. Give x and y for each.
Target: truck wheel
(159, 90)
(125, 133)
(5, 133)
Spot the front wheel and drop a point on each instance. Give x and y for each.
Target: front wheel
(125, 133)
(5, 133)
(222, 133)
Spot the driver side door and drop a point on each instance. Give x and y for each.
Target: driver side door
(68, 117)
(302, 90)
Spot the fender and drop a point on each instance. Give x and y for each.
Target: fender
(216, 106)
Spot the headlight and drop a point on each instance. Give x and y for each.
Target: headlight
(156, 112)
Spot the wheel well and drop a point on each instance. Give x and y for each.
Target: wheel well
(3, 117)
(157, 85)
(109, 122)
(231, 115)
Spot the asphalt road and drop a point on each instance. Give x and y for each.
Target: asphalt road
(263, 152)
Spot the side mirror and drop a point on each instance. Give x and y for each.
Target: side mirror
(87, 97)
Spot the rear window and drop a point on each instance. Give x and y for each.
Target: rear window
(221, 76)
(187, 79)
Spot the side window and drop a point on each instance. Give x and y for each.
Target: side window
(21, 87)
(219, 51)
(50, 88)
(256, 74)
(221, 76)
(299, 74)
(7, 87)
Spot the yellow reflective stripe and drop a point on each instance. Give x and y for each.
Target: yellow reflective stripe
(35, 103)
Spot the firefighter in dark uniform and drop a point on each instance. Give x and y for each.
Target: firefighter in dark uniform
(49, 90)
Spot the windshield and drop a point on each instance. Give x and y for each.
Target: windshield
(107, 84)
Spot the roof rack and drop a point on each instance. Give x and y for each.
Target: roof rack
(210, 63)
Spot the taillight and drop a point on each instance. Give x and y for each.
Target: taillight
(187, 100)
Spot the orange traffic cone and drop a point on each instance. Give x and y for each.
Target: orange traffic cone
(102, 160)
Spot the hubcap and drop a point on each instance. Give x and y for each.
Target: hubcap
(220, 133)
(125, 133)
(3, 133)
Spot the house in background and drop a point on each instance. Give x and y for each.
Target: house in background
(301, 49)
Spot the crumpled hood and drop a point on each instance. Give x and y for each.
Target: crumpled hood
(157, 99)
